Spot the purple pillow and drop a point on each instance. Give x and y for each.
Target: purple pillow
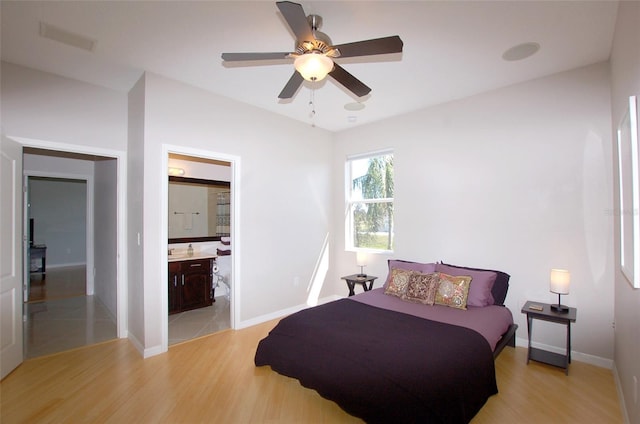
(501, 286)
(481, 283)
(408, 266)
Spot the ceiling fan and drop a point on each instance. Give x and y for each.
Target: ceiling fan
(314, 54)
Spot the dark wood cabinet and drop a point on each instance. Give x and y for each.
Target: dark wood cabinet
(190, 285)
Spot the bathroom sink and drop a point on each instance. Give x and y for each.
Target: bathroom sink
(185, 256)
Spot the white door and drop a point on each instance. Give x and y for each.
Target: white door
(11, 349)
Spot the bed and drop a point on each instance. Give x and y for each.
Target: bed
(388, 357)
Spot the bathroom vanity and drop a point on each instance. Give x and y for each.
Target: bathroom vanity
(190, 283)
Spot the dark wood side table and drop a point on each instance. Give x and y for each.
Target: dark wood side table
(38, 252)
(547, 314)
(352, 280)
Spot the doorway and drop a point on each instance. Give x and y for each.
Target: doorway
(203, 192)
(73, 299)
(56, 213)
(202, 164)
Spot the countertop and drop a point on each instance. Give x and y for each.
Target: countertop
(185, 257)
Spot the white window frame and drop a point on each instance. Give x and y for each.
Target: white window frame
(349, 201)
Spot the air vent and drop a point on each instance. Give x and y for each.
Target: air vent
(65, 37)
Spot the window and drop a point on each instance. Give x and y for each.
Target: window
(370, 201)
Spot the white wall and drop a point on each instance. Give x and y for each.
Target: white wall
(625, 81)
(59, 210)
(518, 179)
(135, 205)
(48, 107)
(105, 243)
(47, 111)
(284, 185)
(50, 165)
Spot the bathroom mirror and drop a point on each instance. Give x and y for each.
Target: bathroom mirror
(199, 210)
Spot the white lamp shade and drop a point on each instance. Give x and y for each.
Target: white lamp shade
(361, 259)
(313, 66)
(560, 279)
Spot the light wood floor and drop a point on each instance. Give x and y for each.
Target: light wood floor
(213, 380)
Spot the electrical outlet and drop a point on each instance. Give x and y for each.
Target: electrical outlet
(296, 281)
(635, 390)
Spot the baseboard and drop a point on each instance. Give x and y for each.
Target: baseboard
(623, 406)
(53, 266)
(153, 351)
(136, 343)
(281, 313)
(575, 356)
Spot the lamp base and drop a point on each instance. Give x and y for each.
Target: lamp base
(560, 308)
(361, 274)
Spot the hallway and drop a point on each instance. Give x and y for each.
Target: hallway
(59, 316)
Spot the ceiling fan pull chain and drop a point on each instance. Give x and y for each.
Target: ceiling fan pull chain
(312, 103)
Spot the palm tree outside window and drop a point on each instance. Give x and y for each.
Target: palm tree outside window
(370, 202)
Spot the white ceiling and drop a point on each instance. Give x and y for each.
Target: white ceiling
(452, 49)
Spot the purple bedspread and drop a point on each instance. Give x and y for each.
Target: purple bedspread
(383, 366)
(490, 321)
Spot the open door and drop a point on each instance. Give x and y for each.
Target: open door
(11, 276)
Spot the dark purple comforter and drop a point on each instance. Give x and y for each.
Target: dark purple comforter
(381, 365)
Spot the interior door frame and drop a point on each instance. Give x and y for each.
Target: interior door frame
(235, 229)
(89, 238)
(121, 184)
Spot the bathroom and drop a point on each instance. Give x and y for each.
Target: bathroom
(199, 247)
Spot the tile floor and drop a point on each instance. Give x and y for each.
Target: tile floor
(54, 325)
(62, 324)
(199, 322)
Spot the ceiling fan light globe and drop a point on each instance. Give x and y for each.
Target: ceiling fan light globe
(313, 66)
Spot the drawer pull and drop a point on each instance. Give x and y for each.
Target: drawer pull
(192, 265)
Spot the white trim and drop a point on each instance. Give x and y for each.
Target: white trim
(121, 183)
(623, 406)
(235, 229)
(283, 312)
(631, 271)
(67, 265)
(350, 202)
(381, 152)
(577, 356)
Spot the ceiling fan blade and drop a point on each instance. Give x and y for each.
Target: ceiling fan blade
(297, 20)
(383, 45)
(292, 86)
(231, 57)
(350, 82)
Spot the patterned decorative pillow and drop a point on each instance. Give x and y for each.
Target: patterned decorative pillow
(409, 266)
(481, 284)
(398, 282)
(453, 291)
(422, 288)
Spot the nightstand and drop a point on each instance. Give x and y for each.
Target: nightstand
(547, 314)
(352, 280)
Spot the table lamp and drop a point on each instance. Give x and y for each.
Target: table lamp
(560, 279)
(361, 261)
